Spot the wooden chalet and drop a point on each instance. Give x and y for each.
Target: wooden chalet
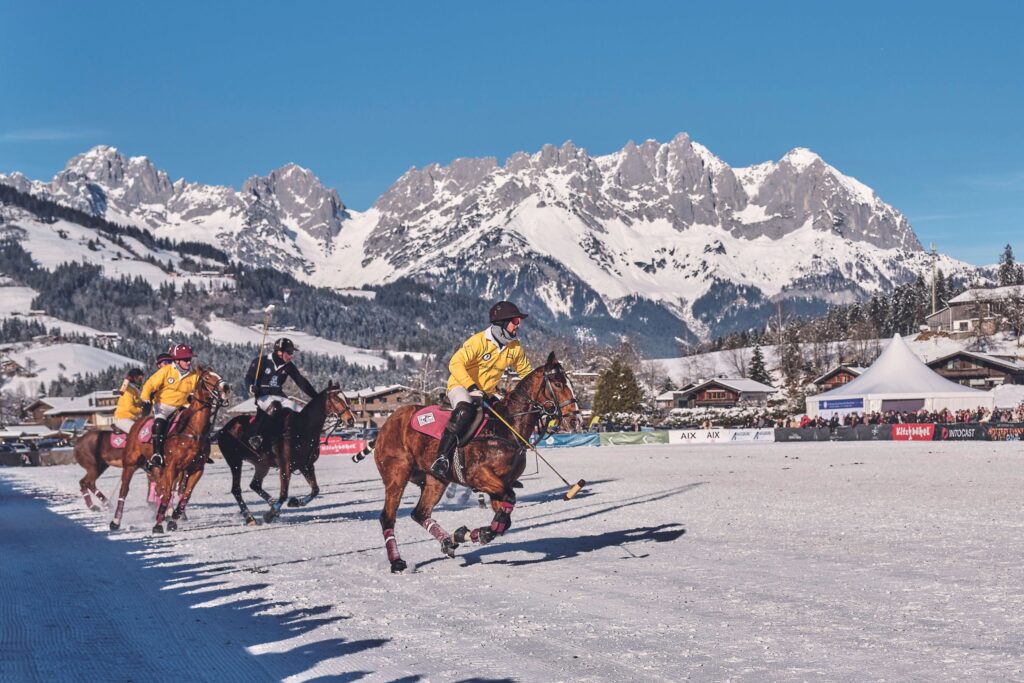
(837, 376)
(71, 415)
(724, 392)
(979, 370)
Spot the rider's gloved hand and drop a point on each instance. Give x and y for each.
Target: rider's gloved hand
(146, 407)
(494, 398)
(252, 389)
(475, 392)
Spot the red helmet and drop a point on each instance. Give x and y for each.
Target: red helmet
(182, 352)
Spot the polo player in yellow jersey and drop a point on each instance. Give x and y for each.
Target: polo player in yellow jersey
(168, 389)
(129, 406)
(476, 368)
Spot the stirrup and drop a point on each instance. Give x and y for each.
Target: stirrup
(157, 460)
(440, 467)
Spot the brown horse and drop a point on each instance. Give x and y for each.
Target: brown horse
(299, 452)
(493, 460)
(95, 454)
(185, 450)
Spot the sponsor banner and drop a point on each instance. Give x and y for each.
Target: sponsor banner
(864, 433)
(708, 436)
(960, 432)
(804, 434)
(624, 438)
(334, 445)
(571, 440)
(1005, 432)
(751, 434)
(913, 432)
(842, 404)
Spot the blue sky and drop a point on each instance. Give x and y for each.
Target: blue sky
(921, 101)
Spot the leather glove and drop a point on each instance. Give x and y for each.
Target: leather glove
(147, 406)
(474, 392)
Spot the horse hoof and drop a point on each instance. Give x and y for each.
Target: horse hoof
(461, 535)
(158, 529)
(268, 517)
(114, 526)
(250, 521)
(398, 566)
(172, 525)
(448, 547)
(294, 503)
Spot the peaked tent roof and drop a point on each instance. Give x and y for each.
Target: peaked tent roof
(898, 371)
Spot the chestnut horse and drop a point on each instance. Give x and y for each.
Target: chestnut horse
(95, 454)
(300, 452)
(185, 450)
(493, 460)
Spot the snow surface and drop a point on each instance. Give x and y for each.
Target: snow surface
(52, 361)
(782, 562)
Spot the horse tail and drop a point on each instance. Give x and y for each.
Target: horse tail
(367, 450)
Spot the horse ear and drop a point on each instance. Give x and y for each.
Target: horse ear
(552, 361)
(331, 384)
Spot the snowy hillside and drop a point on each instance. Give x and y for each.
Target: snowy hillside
(567, 234)
(49, 362)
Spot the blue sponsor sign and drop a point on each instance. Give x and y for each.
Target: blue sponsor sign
(570, 440)
(841, 404)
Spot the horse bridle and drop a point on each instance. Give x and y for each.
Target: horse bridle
(550, 410)
(215, 403)
(336, 418)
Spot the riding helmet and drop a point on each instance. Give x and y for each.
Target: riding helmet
(285, 345)
(163, 358)
(505, 310)
(182, 352)
(134, 372)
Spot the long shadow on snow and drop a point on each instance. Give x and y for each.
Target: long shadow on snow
(169, 634)
(560, 548)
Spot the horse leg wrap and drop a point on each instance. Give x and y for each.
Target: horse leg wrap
(119, 511)
(152, 493)
(481, 536)
(88, 498)
(502, 518)
(434, 529)
(391, 545)
(161, 511)
(102, 498)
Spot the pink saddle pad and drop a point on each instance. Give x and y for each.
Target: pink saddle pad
(118, 439)
(433, 419)
(146, 430)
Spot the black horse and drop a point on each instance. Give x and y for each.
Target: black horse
(296, 447)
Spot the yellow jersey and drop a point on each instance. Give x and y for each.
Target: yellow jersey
(170, 386)
(129, 407)
(481, 361)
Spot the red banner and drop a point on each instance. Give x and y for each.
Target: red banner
(913, 432)
(334, 445)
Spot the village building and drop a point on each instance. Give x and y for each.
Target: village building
(979, 370)
(976, 309)
(71, 415)
(720, 392)
(837, 376)
(373, 405)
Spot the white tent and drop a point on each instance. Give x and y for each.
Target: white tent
(898, 380)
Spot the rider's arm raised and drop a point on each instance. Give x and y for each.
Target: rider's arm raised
(250, 376)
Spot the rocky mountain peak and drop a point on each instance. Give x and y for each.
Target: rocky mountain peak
(299, 200)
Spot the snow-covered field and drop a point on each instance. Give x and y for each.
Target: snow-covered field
(782, 562)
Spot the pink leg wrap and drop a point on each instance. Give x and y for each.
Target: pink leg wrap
(119, 511)
(160, 512)
(434, 529)
(391, 545)
(99, 494)
(88, 498)
(502, 518)
(152, 493)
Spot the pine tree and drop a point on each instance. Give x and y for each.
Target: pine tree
(617, 390)
(758, 371)
(1008, 271)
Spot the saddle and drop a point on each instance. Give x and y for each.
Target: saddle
(433, 419)
(146, 431)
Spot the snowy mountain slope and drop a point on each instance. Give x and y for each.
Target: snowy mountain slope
(50, 362)
(568, 234)
(17, 302)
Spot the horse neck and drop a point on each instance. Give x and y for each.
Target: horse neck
(314, 412)
(524, 416)
(198, 418)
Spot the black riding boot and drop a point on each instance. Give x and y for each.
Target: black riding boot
(460, 420)
(159, 432)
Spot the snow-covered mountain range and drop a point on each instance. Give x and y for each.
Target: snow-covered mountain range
(651, 229)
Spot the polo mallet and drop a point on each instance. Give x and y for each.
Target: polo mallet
(573, 488)
(263, 343)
